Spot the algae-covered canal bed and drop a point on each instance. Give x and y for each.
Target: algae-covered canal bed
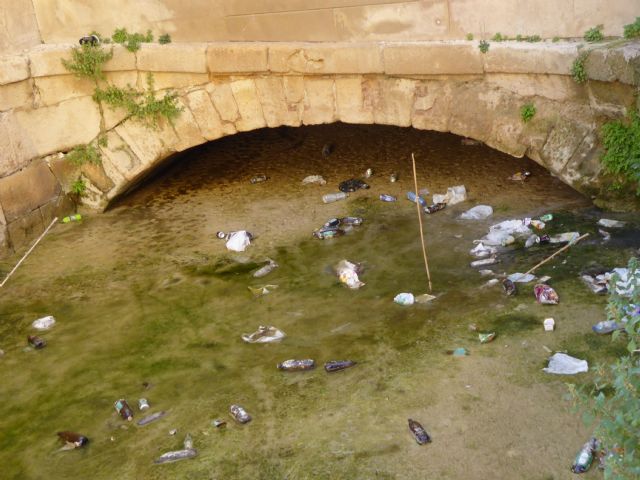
(149, 303)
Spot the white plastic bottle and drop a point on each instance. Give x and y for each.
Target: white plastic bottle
(334, 197)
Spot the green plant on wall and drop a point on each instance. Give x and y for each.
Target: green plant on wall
(621, 140)
(578, 71)
(131, 41)
(78, 187)
(87, 61)
(483, 46)
(527, 112)
(89, 153)
(498, 37)
(633, 29)
(164, 39)
(615, 397)
(594, 34)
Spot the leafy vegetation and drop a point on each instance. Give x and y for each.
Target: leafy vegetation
(164, 39)
(131, 41)
(633, 29)
(469, 36)
(483, 46)
(499, 38)
(143, 106)
(614, 398)
(87, 61)
(533, 38)
(578, 72)
(594, 34)
(527, 112)
(621, 140)
(78, 187)
(86, 154)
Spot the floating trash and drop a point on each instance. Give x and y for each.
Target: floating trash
(264, 334)
(545, 294)
(563, 364)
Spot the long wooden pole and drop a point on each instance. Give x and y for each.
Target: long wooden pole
(559, 251)
(424, 248)
(29, 251)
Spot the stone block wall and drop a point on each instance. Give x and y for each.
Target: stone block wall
(226, 88)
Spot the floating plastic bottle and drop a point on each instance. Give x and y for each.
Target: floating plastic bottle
(337, 365)
(334, 197)
(584, 458)
(258, 178)
(328, 232)
(72, 218)
(436, 207)
(239, 414)
(387, 198)
(123, 408)
(411, 196)
(297, 365)
(419, 432)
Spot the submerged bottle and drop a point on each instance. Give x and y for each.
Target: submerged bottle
(419, 432)
(123, 408)
(239, 414)
(337, 365)
(72, 218)
(393, 178)
(328, 232)
(36, 342)
(266, 270)
(75, 438)
(387, 198)
(259, 178)
(334, 197)
(436, 207)
(297, 365)
(584, 457)
(411, 196)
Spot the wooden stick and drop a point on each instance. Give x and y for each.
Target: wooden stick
(559, 251)
(424, 249)
(28, 251)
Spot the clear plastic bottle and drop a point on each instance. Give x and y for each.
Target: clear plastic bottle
(334, 197)
(296, 365)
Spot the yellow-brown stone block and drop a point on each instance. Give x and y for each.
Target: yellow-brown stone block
(274, 103)
(13, 68)
(205, 114)
(350, 102)
(332, 58)
(319, 101)
(432, 58)
(237, 57)
(251, 116)
(27, 189)
(173, 57)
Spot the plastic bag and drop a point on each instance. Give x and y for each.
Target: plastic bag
(319, 179)
(238, 241)
(479, 212)
(44, 323)
(264, 334)
(348, 274)
(563, 364)
(404, 299)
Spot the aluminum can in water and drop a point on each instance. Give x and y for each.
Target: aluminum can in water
(143, 403)
(387, 198)
(123, 408)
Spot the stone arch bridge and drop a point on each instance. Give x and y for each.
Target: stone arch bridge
(230, 87)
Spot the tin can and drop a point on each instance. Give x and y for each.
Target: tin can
(393, 178)
(123, 408)
(368, 173)
(143, 403)
(239, 414)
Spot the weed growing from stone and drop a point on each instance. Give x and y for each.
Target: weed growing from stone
(621, 140)
(87, 61)
(533, 38)
(614, 398)
(483, 46)
(594, 34)
(633, 29)
(164, 39)
(86, 154)
(527, 112)
(555, 39)
(578, 72)
(131, 41)
(78, 187)
(499, 38)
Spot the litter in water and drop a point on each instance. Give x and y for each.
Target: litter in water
(419, 433)
(264, 334)
(607, 223)
(266, 270)
(479, 212)
(404, 299)
(44, 323)
(549, 324)
(262, 290)
(563, 364)
(348, 274)
(545, 294)
(317, 179)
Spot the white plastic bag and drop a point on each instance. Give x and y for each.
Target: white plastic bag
(238, 241)
(348, 274)
(264, 334)
(479, 212)
(44, 323)
(563, 364)
(404, 298)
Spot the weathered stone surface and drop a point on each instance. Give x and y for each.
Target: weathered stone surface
(149, 145)
(60, 207)
(173, 57)
(60, 127)
(24, 229)
(46, 60)
(350, 104)
(561, 144)
(16, 146)
(620, 64)
(554, 87)
(583, 167)
(187, 129)
(205, 114)
(294, 94)
(432, 106)
(15, 95)
(118, 161)
(531, 58)
(471, 111)
(611, 99)
(225, 103)
(251, 116)
(19, 26)
(274, 103)
(98, 177)
(237, 58)
(93, 197)
(27, 190)
(432, 59)
(13, 68)
(56, 89)
(319, 101)
(4, 241)
(394, 103)
(333, 58)
(65, 172)
(3, 220)
(164, 81)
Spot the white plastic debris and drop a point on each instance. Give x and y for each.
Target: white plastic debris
(531, 241)
(319, 179)
(238, 241)
(521, 277)
(605, 222)
(424, 298)
(504, 233)
(348, 274)
(264, 334)
(479, 212)
(484, 273)
(481, 251)
(456, 194)
(44, 323)
(490, 283)
(261, 290)
(484, 261)
(404, 298)
(563, 364)
(549, 324)
(570, 237)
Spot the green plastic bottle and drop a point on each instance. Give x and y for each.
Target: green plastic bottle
(72, 218)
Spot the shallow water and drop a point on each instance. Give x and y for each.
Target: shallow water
(146, 293)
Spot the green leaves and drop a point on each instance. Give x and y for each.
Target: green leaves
(87, 61)
(621, 140)
(527, 112)
(578, 71)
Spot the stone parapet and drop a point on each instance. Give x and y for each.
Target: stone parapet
(432, 58)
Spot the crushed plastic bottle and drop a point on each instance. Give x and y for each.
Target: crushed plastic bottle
(584, 458)
(404, 299)
(436, 207)
(264, 334)
(337, 365)
(419, 433)
(72, 218)
(411, 196)
(297, 365)
(44, 323)
(265, 270)
(387, 198)
(239, 414)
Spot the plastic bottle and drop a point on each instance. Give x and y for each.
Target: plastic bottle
(123, 408)
(334, 197)
(296, 365)
(411, 196)
(337, 365)
(72, 218)
(239, 414)
(436, 207)
(143, 404)
(387, 198)
(36, 342)
(258, 178)
(419, 432)
(584, 457)
(368, 173)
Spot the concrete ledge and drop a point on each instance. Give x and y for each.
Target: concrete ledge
(237, 57)
(173, 57)
(538, 58)
(619, 64)
(46, 60)
(432, 58)
(13, 69)
(332, 58)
